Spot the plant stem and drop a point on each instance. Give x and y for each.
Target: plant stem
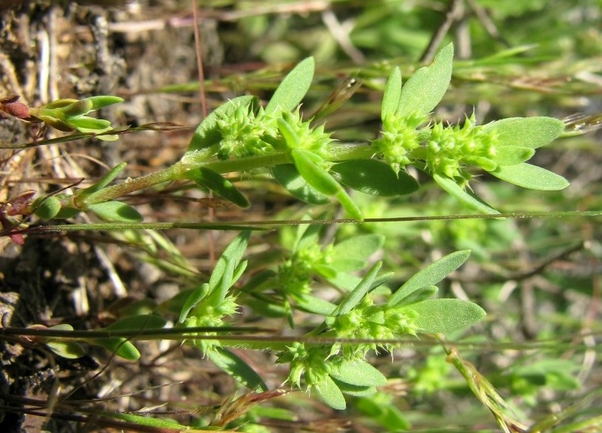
(194, 160)
(130, 186)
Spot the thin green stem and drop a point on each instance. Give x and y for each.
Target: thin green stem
(130, 186)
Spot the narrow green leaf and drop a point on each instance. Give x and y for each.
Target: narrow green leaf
(289, 177)
(118, 345)
(314, 305)
(357, 372)
(236, 368)
(531, 177)
(430, 275)
(66, 349)
(116, 211)
(196, 296)
(419, 295)
(374, 177)
(308, 165)
(330, 393)
(218, 184)
(392, 94)
(103, 182)
(288, 133)
(512, 155)
(532, 132)
(47, 207)
(426, 87)
(357, 294)
(102, 101)
(293, 87)
(465, 197)
(349, 205)
(223, 273)
(207, 133)
(355, 390)
(445, 315)
(313, 173)
(89, 124)
(143, 422)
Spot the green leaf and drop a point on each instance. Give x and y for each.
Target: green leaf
(374, 177)
(119, 346)
(352, 254)
(223, 275)
(445, 315)
(103, 182)
(357, 294)
(307, 164)
(87, 124)
(328, 390)
(512, 155)
(314, 305)
(392, 94)
(430, 275)
(465, 197)
(426, 87)
(207, 133)
(236, 368)
(355, 390)
(65, 348)
(288, 133)
(47, 207)
(193, 300)
(531, 177)
(116, 211)
(357, 372)
(289, 177)
(419, 295)
(218, 184)
(293, 87)
(102, 101)
(532, 132)
(313, 173)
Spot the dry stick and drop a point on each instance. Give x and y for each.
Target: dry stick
(454, 12)
(199, 59)
(487, 22)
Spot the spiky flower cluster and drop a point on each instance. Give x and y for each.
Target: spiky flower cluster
(245, 134)
(207, 314)
(295, 275)
(371, 322)
(450, 150)
(399, 139)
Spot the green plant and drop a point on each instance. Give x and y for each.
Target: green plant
(329, 359)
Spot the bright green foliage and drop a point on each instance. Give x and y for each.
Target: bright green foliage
(115, 211)
(293, 88)
(426, 87)
(211, 303)
(65, 348)
(450, 154)
(374, 177)
(429, 276)
(218, 184)
(122, 346)
(241, 136)
(72, 114)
